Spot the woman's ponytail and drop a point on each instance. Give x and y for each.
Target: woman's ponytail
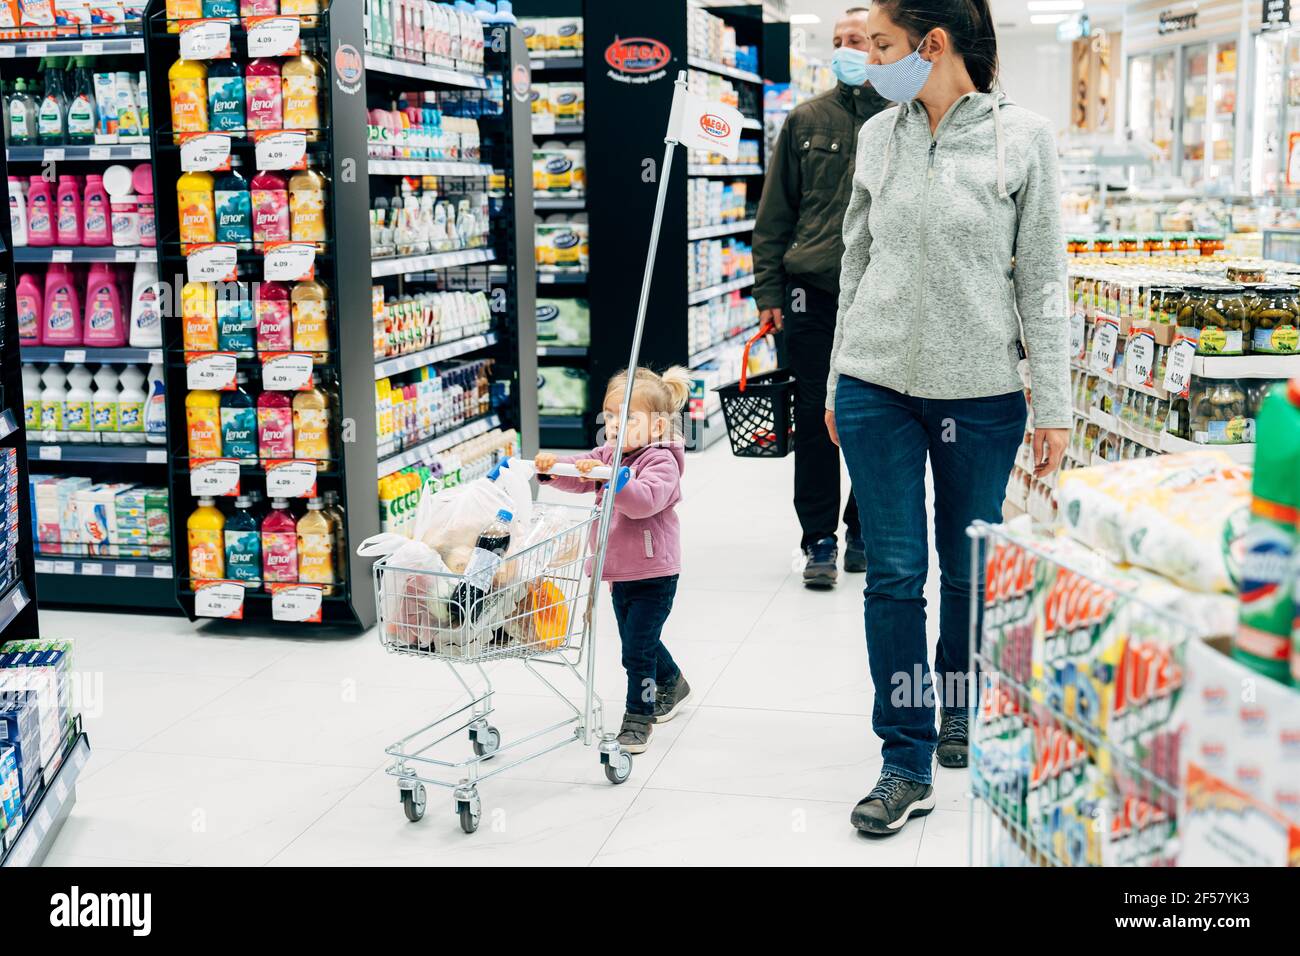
(968, 23)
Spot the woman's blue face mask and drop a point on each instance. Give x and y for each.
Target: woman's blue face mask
(898, 82)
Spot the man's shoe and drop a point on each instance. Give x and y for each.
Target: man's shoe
(953, 739)
(669, 697)
(891, 803)
(819, 570)
(855, 555)
(634, 735)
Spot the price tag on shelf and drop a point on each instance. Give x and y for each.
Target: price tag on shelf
(43, 819)
(291, 478)
(60, 790)
(155, 456)
(1078, 334)
(1105, 343)
(544, 124)
(125, 255)
(92, 569)
(140, 152)
(546, 278)
(210, 370)
(155, 356)
(61, 255)
(44, 567)
(92, 47)
(162, 571)
(20, 600)
(1178, 371)
(50, 453)
(205, 40)
(53, 155)
(286, 371)
(124, 570)
(73, 356)
(1140, 357)
(205, 152)
(7, 51)
(212, 262)
(219, 599)
(65, 567)
(289, 261)
(36, 49)
(214, 476)
(273, 36)
(100, 152)
(281, 149)
(296, 603)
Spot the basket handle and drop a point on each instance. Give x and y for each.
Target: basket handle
(765, 329)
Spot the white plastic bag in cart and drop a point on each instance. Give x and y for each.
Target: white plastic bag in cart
(453, 518)
(415, 589)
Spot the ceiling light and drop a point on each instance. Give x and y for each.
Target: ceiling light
(1055, 6)
(1048, 19)
(813, 18)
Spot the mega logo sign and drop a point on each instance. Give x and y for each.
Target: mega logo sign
(637, 59)
(715, 126)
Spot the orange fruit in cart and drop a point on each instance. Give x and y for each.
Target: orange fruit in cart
(550, 614)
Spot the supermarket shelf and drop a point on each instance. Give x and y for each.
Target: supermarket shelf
(562, 431)
(562, 129)
(84, 254)
(439, 353)
(722, 229)
(9, 51)
(556, 63)
(703, 295)
(401, 265)
(46, 817)
(751, 123)
(418, 71)
(427, 167)
(1245, 454)
(561, 278)
(724, 169)
(562, 351)
(14, 600)
(45, 353)
(577, 203)
(104, 567)
(54, 154)
(425, 451)
(1246, 366)
(723, 70)
(95, 452)
(8, 425)
(98, 582)
(717, 348)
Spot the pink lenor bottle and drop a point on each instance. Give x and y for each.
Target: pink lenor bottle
(279, 543)
(273, 316)
(262, 95)
(274, 426)
(269, 197)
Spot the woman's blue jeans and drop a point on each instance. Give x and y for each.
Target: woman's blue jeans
(972, 445)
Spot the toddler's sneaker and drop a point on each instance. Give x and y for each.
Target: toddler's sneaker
(634, 735)
(669, 697)
(891, 803)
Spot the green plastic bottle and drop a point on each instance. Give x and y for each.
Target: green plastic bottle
(1266, 618)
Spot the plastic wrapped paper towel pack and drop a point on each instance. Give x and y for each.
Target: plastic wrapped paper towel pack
(1182, 516)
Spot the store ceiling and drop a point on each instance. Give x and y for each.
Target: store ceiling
(1005, 12)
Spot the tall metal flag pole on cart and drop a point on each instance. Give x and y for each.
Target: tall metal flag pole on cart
(696, 123)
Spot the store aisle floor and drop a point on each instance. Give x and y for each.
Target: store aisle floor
(215, 746)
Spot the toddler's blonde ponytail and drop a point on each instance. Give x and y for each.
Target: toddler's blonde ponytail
(678, 382)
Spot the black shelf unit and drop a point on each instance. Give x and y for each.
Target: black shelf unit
(621, 195)
(65, 590)
(356, 79)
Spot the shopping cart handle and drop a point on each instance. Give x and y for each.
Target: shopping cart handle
(564, 469)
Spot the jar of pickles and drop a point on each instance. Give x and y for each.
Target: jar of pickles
(1275, 319)
(1218, 413)
(1162, 304)
(1176, 419)
(1223, 321)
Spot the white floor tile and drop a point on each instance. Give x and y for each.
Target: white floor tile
(827, 678)
(123, 709)
(945, 840)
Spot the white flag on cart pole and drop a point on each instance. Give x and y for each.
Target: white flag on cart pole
(698, 123)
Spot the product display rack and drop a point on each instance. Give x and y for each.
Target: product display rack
(353, 82)
(143, 463)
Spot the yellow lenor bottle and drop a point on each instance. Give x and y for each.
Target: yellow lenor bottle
(307, 207)
(203, 423)
(187, 81)
(178, 10)
(311, 333)
(311, 424)
(199, 317)
(196, 208)
(204, 532)
(316, 546)
(302, 78)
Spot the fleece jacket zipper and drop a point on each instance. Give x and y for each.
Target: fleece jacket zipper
(920, 285)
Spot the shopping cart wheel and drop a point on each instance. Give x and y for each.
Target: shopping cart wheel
(413, 802)
(618, 766)
(486, 742)
(469, 814)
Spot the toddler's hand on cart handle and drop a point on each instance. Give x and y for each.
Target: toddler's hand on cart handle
(544, 462)
(588, 469)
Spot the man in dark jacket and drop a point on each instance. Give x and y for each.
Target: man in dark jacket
(797, 250)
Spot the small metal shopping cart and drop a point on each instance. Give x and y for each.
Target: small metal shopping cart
(1073, 752)
(537, 609)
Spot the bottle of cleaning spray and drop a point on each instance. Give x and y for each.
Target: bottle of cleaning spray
(155, 412)
(145, 326)
(104, 422)
(32, 401)
(53, 396)
(77, 405)
(130, 406)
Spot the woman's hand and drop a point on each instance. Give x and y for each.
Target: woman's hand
(830, 427)
(775, 316)
(1049, 447)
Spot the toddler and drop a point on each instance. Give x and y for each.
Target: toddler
(643, 557)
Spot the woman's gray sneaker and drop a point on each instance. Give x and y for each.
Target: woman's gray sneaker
(669, 697)
(953, 739)
(634, 736)
(891, 803)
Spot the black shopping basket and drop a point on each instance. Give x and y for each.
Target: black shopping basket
(759, 411)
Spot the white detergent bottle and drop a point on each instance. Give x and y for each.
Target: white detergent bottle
(32, 401)
(145, 329)
(104, 410)
(77, 406)
(130, 406)
(53, 397)
(17, 211)
(155, 412)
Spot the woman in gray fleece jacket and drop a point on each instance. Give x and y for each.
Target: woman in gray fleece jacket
(953, 271)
